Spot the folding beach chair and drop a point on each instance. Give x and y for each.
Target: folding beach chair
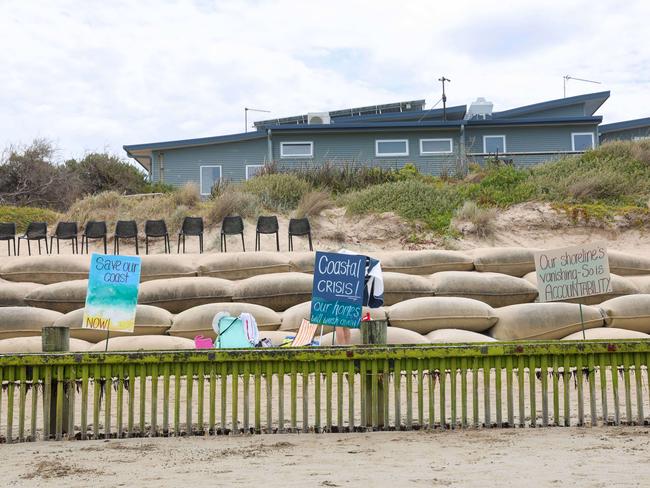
(305, 334)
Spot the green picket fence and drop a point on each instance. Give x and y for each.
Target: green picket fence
(102, 395)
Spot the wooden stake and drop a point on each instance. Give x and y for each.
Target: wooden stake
(57, 339)
(374, 332)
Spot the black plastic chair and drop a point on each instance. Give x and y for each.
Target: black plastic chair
(299, 227)
(156, 228)
(36, 231)
(65, 231)
(267, 225)
(8, 233)
(95, 229)
(125, 229)
(192, 226)
(232, 226)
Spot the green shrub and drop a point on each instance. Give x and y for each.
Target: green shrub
(277, 192)
(313, 204)
(22, 216)
(342, 178)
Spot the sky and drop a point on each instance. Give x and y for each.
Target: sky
(95, 75)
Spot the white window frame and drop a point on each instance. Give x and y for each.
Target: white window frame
(388, 155)
(502, 136)
(447, 139)
(573, 141)
(248, 177)
(201, 176)
(311, 149)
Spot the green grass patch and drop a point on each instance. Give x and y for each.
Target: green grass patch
(22, 216)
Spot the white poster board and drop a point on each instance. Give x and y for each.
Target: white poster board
(572, 272)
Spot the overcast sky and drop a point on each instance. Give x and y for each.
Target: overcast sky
(95, 75)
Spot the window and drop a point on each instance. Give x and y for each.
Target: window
(581, 141)
(253, 170)
(209, 176)
(494, 144)
(640, 138)
(392, 147)
(435, 146)
(296, 149)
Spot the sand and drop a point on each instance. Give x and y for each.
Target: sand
(600, 457)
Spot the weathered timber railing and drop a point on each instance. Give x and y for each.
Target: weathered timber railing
(97, 395)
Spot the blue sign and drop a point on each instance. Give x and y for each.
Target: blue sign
(337, 296)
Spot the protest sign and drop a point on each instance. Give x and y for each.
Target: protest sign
(112, 293)
(337, 294)
(572, 272)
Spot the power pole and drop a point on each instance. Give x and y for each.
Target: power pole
(444, 97)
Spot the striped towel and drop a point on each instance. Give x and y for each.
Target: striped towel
(305, 334)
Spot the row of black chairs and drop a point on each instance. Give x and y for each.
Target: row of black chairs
(128, 229)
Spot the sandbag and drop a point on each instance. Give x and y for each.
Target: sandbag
(144, 343)
(629, 312)
(423, 262)
(12, 293)
(625, 264)
(164, 266)
(514, 261)
(423, 315)
(395, 335)
(302, 261)
(63, 297)
(277, 337)
(148, 321)
(642, 282)
(606, 333)
(25, 321)
(399, 287)
(292, 317)
(198, 320)
(179, 294)
(45, 269)
(543, 321)
(450, 336)
(277, 291)
(242, 265)
(495, 289)
(34, 344)
(620, 287)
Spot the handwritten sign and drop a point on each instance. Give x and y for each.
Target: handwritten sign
(112, 293)
(337, 295)
(572, 272)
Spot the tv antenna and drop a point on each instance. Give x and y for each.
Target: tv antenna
(444, 97)
(246, 110)
(568, 77)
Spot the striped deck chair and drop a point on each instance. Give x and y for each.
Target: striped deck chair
(305, 334)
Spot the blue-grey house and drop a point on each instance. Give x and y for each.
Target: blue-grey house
(390, 135)
(627, 130)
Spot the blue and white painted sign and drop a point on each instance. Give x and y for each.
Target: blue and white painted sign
(337, 295)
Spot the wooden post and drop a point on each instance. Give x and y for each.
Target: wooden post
(57, 339)
(374, 332)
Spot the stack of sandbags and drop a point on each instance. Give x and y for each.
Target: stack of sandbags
(63, 297)
(242, 265)
(624, 264)
(423, 315)
(45, 269)
(514, 261)
(628, 312)
(606, 333)
(179, 294)
(277, 291)
(302, 261)
(400, 286)
(641, 282)
(451, 336)
(144, 343)
(532, 321)
(148, 321)
(620, 286)
(293, 317)
(495, 289)
(25, 321)
(164, 266)
(12, 294)
(395, 335)
(34, 344)
(198, 320)
(423, 262)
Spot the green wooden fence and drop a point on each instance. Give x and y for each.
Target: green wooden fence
(99, 395)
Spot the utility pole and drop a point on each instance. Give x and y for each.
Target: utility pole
(246, 110)
(567, 78)
(444, 97)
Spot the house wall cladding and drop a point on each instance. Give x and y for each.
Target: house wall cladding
(626, 134)
(528, 139)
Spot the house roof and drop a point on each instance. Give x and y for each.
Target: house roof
(625, 125)
(453, 113)
(591, 102)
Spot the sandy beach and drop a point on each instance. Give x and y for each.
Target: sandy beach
(584, 457)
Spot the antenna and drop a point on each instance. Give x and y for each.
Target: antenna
(246, 110)
(568, 77)
(444, 97)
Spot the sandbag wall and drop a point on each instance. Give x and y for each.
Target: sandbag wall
(431, 296)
